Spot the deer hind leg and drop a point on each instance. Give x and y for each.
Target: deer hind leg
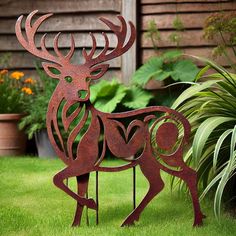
(189, 176)
(82, 185)
(151, 171)
(68, 172)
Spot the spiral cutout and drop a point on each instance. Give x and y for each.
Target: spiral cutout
(166, 136)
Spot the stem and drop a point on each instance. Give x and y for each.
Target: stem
(225, 52)
(153, 43)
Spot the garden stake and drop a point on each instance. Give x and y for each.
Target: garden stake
(134, 187)
(97, 198)
(154, 136)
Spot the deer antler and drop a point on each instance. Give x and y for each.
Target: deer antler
(29, 43)
(120, 32)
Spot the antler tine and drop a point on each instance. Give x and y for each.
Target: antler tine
(55, 46)
(120, 32)
(88, 57)
(123, 30)
(72, 48)
(106, 44)
(28, 42)
(43, 44)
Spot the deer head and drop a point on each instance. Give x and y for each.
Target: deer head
(74, 80)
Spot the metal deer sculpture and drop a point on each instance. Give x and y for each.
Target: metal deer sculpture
(128, 135)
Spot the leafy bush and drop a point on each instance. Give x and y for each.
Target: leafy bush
(110, 96)
(36, 111)
(169, 65)
(210, 107)
(221, 28)
(16, 92)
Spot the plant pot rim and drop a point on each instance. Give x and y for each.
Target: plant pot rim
(11, 116)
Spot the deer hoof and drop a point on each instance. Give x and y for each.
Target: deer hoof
(130, 221)
(91, 204)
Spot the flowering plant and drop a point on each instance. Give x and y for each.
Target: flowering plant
(15, 91)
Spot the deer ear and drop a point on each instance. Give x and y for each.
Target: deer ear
(52, 70)
(98, 71)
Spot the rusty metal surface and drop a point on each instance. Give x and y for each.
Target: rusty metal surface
(126, 135)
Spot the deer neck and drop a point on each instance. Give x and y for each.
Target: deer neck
(59, 110)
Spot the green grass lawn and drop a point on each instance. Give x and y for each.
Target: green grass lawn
(31, 205)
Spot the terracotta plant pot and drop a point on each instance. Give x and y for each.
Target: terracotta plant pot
(12, 140)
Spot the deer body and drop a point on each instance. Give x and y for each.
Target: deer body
(127, 135)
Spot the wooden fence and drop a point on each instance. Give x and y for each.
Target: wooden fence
(191, 13)
(71, 16)
(81, 16)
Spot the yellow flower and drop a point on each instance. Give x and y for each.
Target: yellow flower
(29, 81)
(3, 72)
(27, 90)
(17, 75)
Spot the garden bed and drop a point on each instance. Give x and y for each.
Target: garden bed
(31, 205)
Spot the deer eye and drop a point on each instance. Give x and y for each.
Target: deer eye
(68, 79)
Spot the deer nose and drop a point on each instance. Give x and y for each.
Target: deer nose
(82, 94)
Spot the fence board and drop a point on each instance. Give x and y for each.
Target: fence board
(165, 21)
(189, 38)
(201, 52)
(193, 7)
(16, 7)
(179, 1)
(111, 73)
(57, 23)
(26, 60)
(10, 43)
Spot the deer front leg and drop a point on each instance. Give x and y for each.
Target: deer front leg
(68, 172)
(82, 185)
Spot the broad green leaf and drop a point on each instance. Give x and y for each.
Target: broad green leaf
(109, 103)
(161, 75)
(184, 70)
(146, 71)
(103, 88)
(202, 134)
(136, 98)
(170, 55)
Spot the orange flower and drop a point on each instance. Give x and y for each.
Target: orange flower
(29, 81)
(27, 90)
(17, 75)
(1, 81)
(3, 72)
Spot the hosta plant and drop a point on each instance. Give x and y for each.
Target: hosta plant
(210, 107)
(169, 65)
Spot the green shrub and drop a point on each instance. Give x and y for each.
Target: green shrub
(210, 107)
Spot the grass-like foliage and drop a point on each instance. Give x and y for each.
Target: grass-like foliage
(30, 205)
(210, 107)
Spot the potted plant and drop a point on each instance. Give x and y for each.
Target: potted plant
(34, 123)
(16, 93)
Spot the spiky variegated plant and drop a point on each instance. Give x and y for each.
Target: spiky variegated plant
(210, 107)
